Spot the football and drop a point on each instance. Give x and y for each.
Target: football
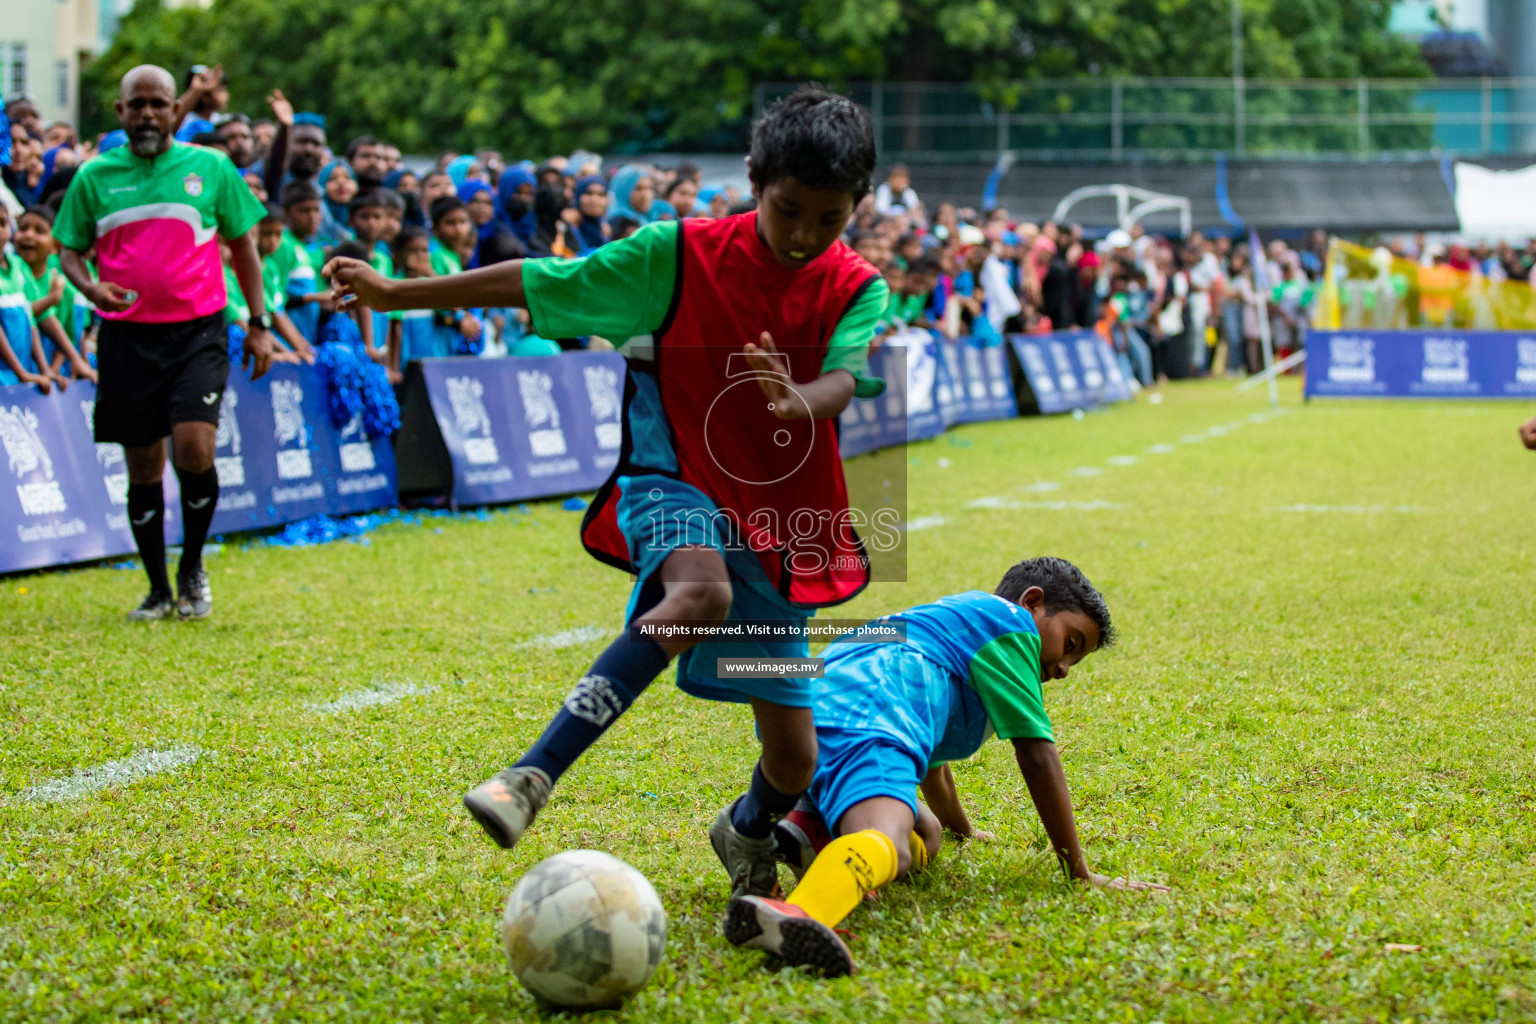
(583, 929)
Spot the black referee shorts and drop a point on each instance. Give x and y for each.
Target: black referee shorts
(156, 375)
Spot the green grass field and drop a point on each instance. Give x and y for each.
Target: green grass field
(1317, 727)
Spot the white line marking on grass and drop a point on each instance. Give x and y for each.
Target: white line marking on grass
(925, 523)
(1055, 506)
(1122, 460)
(567, 638)
(1161, 449)
(370, 697)
(1349, 509)
(1087, 471)
(1191, 438)
(86, 781)
(1043, 487)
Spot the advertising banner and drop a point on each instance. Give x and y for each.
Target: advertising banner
(1421, 364)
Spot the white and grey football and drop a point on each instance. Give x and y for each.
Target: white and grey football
(583, 929)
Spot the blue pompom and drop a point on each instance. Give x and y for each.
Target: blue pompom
(236, 343)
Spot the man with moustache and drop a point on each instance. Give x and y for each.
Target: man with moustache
(153, 209)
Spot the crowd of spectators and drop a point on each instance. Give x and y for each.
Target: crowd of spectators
(1169, 306)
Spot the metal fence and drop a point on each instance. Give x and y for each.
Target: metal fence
(1191, 118)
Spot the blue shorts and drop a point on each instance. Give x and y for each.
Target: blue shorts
(659, 514)
(853, 765)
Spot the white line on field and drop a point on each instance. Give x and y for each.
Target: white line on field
(1057, 506)
(1043, 487)
(370, 697)
(1122, 460)
(567, 638)
(1348, 509)
(1086, 471)
(1161, 449)
(925, 523)
(86, 781)
(1191, 438)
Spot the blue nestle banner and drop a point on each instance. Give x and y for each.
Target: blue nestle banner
(279, 457)
(65, 498)
(527, 427)
(1421, 364)
(1069, 370)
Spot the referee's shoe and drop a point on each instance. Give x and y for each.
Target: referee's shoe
(195, 595)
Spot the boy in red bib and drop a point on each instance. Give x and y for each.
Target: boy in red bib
(745, 338)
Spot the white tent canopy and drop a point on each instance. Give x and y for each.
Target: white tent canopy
(1496, 204)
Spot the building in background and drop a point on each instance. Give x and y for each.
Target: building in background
(42, 46)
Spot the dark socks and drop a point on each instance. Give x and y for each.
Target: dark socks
(199, 498)
(762, 805)
(620, 674)
(146, 517)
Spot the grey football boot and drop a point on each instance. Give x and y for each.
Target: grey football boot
(507, 802)
(157, 605)
(752, 863)
(196, 595)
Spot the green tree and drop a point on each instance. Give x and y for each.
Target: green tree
(534, 76)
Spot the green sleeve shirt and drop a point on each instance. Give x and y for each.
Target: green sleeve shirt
(1005, 673)
(623, 290)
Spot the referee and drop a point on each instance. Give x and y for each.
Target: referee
(152, 209)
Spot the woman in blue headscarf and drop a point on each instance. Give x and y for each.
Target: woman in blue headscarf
(482, 213)
(592, 204)
(462, 169)
(514, 202)
(338, 187)
(632, 196)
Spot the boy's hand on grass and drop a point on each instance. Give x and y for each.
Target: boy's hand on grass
(1125, 884)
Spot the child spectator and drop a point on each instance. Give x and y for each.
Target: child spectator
(51, 295)
(296, 257)
(371, 218)
(895, 195)
(21, 347)
(271, 233)
(412, 333)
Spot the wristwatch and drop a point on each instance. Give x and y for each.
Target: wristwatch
(262, 320)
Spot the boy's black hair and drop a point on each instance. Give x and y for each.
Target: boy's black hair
(1066, 590)
(351, 249)
(389, 199)
(817, 137)
(273, 212)
(208, 139)
(623, 227)
(408, 233)
(442, 206)
(47, 213)
(296, 192)
(746, 205)
(367, 201)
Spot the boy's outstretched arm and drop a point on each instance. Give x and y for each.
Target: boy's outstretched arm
(1041, 767)
(355, 281)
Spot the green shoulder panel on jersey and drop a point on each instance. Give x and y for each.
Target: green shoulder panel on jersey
(621, 291)
(1005, 673)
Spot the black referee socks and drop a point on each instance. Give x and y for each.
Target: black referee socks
(199, 498)
(146, 516)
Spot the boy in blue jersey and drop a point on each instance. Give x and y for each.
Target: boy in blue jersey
(891, 715)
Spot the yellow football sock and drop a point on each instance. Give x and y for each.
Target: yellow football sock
(919, 850)
(847, 868)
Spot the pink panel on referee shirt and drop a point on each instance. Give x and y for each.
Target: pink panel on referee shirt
(159, 258)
